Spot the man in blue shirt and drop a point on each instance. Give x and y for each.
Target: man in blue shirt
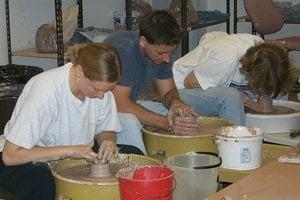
(146, 58)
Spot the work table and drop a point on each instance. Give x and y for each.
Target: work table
(276, 181)
(270, 152)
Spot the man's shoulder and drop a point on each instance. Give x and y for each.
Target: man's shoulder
(121, 37)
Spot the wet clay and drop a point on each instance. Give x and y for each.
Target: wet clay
(84, 172)
(265, 104)
(100, 170)
(277, 110)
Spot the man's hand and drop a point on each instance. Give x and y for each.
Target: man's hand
(182, 118)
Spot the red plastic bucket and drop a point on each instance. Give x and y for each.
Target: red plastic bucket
(147, 183)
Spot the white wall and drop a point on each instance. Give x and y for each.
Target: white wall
(27, 16)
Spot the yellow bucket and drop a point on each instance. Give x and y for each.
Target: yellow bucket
(166, 144)
(69, 189)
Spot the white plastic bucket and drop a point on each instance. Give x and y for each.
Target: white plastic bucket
(196, 174)
(240, 147)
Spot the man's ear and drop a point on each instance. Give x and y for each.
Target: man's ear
(143, 41)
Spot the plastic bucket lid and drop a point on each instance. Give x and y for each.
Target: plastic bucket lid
(146, 182)
(239, 132)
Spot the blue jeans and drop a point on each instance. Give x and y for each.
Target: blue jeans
(131, 127)
(224, 102)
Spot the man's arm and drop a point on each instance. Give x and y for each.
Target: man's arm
(125, 104)
(167, 91)
(191, 81)
(181, 117)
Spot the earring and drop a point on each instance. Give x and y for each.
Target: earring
(77, 80)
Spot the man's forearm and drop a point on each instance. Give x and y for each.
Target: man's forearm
(146, 116)
(169, 97)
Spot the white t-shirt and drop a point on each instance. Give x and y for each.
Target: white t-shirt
(216, 60)
(47, 114)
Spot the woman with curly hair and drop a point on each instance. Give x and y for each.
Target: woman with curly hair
(242, 61)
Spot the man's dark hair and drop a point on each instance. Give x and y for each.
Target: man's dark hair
(160, 27)
(268, 69)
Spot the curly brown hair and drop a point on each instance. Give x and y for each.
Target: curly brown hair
(268, 69)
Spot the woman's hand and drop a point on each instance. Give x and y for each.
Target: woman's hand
(107, 150)
(182, 118)
(83, 151)
(248, 102)
(107, 146)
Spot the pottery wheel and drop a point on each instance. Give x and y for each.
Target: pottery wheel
(83, 173)
(284, 118)
(277, 110)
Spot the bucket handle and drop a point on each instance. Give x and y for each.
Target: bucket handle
(210, 166)
(63, 197)
(140, 194)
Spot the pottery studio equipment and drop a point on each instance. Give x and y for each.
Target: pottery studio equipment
(78, 180)
(196, 174)
(280, 124)
(240, 147)
(161, 143)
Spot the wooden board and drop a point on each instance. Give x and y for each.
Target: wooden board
(34, 54)
(276, 181)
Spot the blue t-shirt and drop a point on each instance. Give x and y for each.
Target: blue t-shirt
(138, 71)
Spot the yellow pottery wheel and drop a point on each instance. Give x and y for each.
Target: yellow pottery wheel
(67, 189)
(162, 143)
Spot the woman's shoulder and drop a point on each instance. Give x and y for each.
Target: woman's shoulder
(47, 84)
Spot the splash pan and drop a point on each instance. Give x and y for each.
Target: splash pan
(277, 123)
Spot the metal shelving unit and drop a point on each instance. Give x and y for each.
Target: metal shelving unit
(186, 29)
(60, 56)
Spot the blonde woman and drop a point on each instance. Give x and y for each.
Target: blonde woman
(59, 114)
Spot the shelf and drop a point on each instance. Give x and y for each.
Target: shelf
(34, 54)
(247, 19)
(209, 23)
(60, 56)
(185, 28)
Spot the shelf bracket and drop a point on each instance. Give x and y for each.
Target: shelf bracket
(128, 8)
(59, 33)
(80, 14)
(8, 35)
